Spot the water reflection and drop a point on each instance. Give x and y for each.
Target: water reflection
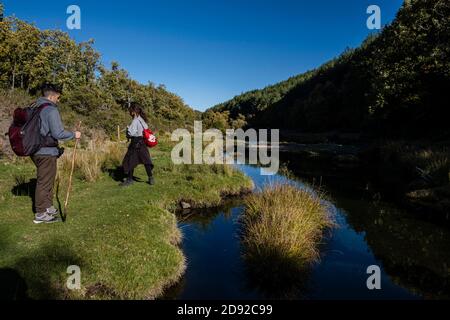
(414, 255)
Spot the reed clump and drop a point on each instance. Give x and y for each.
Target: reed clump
(282, 226)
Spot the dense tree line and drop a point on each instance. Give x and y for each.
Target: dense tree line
(396, 84)
(247, 105)
(30, 57)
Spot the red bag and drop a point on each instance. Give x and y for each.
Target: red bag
(150, 138)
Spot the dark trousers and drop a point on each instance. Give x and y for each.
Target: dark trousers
(137, 154)
(46, 173)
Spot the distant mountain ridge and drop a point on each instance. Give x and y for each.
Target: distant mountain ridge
(396, 84)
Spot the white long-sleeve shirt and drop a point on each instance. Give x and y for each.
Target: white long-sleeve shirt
(137, 126)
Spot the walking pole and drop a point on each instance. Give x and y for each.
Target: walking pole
(69, 188)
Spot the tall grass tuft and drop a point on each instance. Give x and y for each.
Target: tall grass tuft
(95, 156)
(281, 228)
(432, 162)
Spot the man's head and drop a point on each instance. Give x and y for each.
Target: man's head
(51, 92)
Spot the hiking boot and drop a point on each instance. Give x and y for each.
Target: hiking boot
(151, 181)
(126, 183)
(44, 218)
(52, 211)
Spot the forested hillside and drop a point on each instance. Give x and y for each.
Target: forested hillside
(93, 92)
(395, 85)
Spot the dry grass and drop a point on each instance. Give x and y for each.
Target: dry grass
(93, 158)
(432, 163)
(286, 221)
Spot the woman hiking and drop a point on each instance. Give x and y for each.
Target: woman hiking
(137, 150)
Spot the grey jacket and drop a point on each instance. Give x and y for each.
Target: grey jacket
(137, 126)
(51, 124)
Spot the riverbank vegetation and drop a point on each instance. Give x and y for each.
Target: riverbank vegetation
(125, 241)
(417, 174)
(282, 227)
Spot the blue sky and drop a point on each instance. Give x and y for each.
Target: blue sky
(208, 51)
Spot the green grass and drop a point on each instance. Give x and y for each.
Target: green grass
(124, 240)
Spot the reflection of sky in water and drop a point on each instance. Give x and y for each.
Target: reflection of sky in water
(342, 271)
(215, 267)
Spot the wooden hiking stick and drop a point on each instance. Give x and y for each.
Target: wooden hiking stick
(69, 188)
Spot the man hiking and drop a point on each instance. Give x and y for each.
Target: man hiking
(45, 158)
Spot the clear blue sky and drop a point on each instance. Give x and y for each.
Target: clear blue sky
(208, 51)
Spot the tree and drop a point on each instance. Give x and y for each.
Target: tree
(395, 84)
(30, 57)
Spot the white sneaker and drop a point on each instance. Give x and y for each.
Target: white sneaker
(44, 218)
(52, 211)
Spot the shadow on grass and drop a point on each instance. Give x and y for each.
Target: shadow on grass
(28, 189)
(13, 285)
(25, 189)
(41, 274)
(116, 174)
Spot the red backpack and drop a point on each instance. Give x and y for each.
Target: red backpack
(25, 131)
(150, 139)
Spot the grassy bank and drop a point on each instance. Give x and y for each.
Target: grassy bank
(123, 240)
(416, 174)
(281, 229)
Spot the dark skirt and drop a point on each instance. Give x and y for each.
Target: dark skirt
(137, 154)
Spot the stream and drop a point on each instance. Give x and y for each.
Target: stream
(413, 255)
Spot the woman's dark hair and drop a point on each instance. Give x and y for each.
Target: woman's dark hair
(137, 109)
